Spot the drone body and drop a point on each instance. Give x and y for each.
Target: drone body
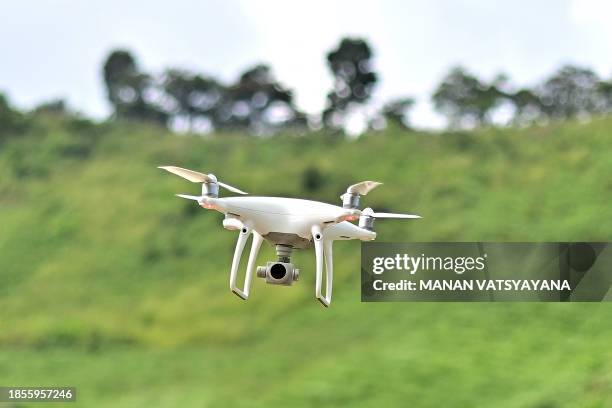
(290, 216)
(288, 223)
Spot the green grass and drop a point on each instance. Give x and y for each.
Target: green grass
(111, 284)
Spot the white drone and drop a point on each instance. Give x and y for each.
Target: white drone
(288, 223)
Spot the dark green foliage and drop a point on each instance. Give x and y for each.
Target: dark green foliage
(354, 80)
(12, 122)
(53, 107)
(396, 112)
(570, 92)
(132, 93)
(463, 98)
(192, 96)
(527, 106)
(312, 179)
(257, 102)
(604, 91)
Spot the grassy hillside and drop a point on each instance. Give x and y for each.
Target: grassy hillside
(111, 284)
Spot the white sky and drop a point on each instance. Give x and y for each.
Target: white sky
(51, 49)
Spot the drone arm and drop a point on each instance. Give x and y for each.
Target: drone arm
(322, 248)
(256, 244)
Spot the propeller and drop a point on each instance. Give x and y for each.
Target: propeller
(190, 197)
(370, 213)
(196, 177)
(366, 220)
(363, 188)
(230, 188)
(350, 199)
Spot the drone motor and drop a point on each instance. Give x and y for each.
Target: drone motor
(368, 216)
(350, 199)
(366, 221)
(210, 189)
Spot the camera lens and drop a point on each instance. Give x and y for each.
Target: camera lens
(278, 271)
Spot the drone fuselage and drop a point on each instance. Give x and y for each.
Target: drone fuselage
(280, 218)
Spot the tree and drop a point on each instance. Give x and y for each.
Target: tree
(11, 120)
(257, 102)
(527, 106)
(604, 96)
(131, 92)
(354, 80)
(570, 92)
(464, 99)
(53, 107)
(192, 96)
(396, 112)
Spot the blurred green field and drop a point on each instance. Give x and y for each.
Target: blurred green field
(111, 284)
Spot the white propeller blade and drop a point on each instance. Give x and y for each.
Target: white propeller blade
(197, 177)
(392, 215)
(190, 197)
(370, 213)
(190, 175)
(230, 188)
(363, 188)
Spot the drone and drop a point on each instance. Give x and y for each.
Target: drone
(287, 223)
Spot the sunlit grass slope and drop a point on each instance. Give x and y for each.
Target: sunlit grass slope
(111, 284)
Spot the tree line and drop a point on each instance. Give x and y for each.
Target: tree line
(256, 102)
(570, 92)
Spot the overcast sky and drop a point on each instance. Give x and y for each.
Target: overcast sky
(52, 49)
